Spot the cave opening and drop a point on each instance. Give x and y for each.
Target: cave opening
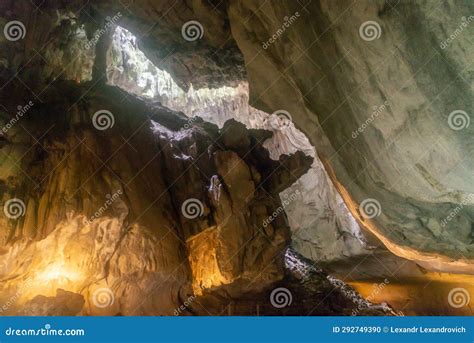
(211, 175)
(130, 69)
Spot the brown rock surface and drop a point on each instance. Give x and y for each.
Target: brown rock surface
(112, 196)
(105, 210)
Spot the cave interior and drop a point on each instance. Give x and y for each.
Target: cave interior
(308, 157)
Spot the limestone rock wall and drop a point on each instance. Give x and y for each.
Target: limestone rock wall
(379, 109)
(383, 90)
(323, 228)
(107, 204)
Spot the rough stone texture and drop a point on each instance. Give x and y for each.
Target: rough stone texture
(409, 158)
(54, 47)
(320, 70)
(103, 208)
(305, 290)
(395, 168)
(63, 304)
(323, 228)
(330, 100)
(212, 60)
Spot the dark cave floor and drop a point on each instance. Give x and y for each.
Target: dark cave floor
(306, 290)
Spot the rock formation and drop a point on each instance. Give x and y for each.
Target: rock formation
(317, 216)
(245, 127)
(122, 196)
(387, 109)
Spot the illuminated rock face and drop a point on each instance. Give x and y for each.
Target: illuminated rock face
(388, 122)
(111, 212)
(377, 110)
(322, 226)
(329, 101)
(63, 304)
(108, 265)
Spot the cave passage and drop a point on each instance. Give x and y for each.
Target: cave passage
(236, 158)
